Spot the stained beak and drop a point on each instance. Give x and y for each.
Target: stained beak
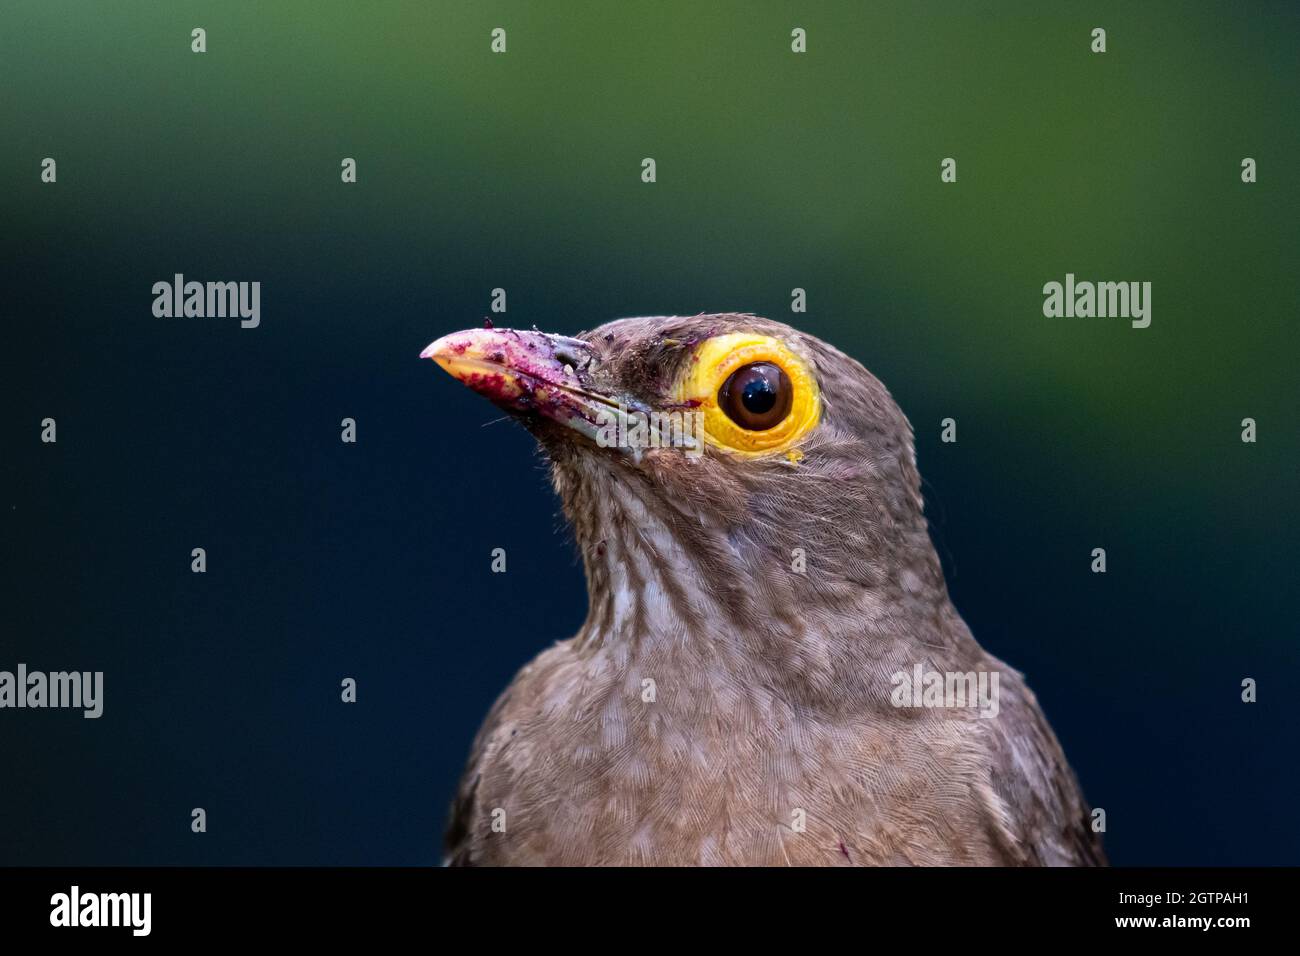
(530, 373)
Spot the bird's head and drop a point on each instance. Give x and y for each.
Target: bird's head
(723, 472)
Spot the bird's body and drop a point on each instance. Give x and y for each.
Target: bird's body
(734, 695)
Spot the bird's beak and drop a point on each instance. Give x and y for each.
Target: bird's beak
(529, 373)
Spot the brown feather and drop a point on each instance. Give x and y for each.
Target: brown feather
(773, 687)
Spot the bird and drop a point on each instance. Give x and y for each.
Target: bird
(763, 599)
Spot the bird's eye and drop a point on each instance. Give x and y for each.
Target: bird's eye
(757, 397)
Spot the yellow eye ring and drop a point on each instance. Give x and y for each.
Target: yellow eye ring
(715, 360)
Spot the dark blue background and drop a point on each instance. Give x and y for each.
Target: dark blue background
(328, 560)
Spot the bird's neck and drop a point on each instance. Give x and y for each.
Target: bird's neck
(672, 593)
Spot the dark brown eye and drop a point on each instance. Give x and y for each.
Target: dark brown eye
(757, 397)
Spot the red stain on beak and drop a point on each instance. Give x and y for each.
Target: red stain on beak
(525, 372)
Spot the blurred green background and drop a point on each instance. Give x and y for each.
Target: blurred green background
(775, 171)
